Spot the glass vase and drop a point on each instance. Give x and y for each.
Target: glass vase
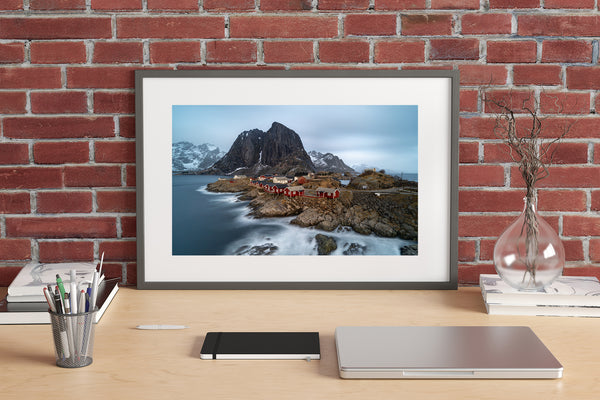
(529, 255)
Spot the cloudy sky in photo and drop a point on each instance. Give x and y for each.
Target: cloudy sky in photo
(385, 137)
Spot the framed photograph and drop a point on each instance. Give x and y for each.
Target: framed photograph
(297, 179)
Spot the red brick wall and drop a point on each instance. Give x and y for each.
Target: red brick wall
(67, 158)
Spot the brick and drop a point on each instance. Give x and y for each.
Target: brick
(286, 5)
(15, 249)
(281, 27)
(14, 153)
(595, 200)
(522, 51)
(113, 270)
(64, 202)
(58, 127)
(486, 24)
(13, 102)
(573, 250)
(114, 102)
(116, 4)
(12, 53)
(574, 4)
(563, 177)
(581, 225)
(116, 201)
(73, 27)
(128, 226)
(481, 175)
(343, 5)
(393, 5)
(561, 200)
(586, 78)
(595, 250)
(115, 152)
(486, 249)
(118, 52)
(11, 5)
(370, 24)
(61, 227)
(61, 152)
(171, 27)
(477, 127)
(30, 178)
(127, 127)
(288, 51)
(516, 100)
(567, 153)
(131, 270)
(497, 153)
(426, 24)
(92, 176)
(455, 4)
(454, 49)
(122, 250)
(30, 78)
(559, 25)
(577, 127)
(184, 5)
(130, 175)
(468, 152)
(514, 3)
(344, 51)
(173, 52)
(66, 251)
(228, 5)
(469, 274)
(490, 200)
(469, 100)
(537, 74)
(466, 250)
(57, 4)
(58, 102)
(400, 51)
(483, 225)
(564, 103)
(566, 51)
(14, 203)
(101, 77)
(236, 51)
(482, 74)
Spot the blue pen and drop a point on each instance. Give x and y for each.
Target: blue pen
(87, 299)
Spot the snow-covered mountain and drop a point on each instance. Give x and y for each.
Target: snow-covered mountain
(328, 162)
(190, 157)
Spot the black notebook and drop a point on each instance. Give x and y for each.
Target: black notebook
(261, 346)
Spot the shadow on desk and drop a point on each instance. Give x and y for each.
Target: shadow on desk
(11, 352)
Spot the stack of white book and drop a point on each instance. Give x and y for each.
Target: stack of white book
(568, 296)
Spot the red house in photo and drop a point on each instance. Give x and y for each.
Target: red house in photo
(294, 191)
(328, 193)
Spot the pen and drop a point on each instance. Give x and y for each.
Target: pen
(73, 276)
(58, 300)
(61, 287)
(73, 298)
(81, 302)
(101, 261)
(94, 294)
(64, 341)
(88, 297)
(49, 299)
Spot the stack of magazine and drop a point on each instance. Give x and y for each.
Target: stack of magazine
(25, 302)
(568, 296)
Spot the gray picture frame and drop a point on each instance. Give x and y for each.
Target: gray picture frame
(148, 274)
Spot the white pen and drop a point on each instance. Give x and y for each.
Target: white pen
(162, 327)
(94, 295)
(101, 262)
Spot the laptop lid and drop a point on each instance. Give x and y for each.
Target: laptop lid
(455, 352)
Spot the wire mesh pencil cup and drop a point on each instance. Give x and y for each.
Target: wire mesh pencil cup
(73, 338)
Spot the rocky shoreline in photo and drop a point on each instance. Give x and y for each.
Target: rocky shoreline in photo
(388, 214)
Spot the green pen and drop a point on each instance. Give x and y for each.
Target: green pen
(61, 287)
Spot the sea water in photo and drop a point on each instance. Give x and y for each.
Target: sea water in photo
(206, 223)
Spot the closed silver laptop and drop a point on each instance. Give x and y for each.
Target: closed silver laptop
(444, 352)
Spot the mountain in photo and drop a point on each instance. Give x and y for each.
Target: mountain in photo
(276, 151)
(188, 157)
(329, 163)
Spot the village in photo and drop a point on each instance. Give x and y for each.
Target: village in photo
(295, 180)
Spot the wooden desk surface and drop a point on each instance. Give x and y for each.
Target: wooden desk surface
(166, 364)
